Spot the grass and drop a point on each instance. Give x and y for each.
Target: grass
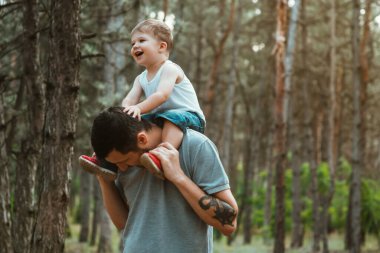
(336, 244)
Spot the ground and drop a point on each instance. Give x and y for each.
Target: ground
(336, 244)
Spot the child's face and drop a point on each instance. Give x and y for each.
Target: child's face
(145, 48)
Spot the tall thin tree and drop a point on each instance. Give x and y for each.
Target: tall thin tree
(288, 65)
(29, 157)
(357, 140)
(280, 121)
(5, 198)
(219, 49)
(331, 143)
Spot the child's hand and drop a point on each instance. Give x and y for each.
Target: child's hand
(134, 111)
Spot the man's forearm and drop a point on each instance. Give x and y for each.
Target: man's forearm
(219, 211)
(114, 204)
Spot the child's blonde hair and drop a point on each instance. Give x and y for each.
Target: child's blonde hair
(159, 29)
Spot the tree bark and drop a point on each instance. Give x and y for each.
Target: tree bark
(268, 193)
(357, 138)
(5, 201)
(98, 205)
(104, 245)
(85, 202)
(59, 130)
(280, 132)
(199, 49)
(364, 67)
(331, 143)
(210, 87)
(230, 100)
(246, 208)
(115, 55)
(28, 159)
(288, 65)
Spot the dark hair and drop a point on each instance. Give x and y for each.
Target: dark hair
(115, 129)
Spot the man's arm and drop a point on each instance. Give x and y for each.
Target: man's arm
(113, 202)
(218, 210)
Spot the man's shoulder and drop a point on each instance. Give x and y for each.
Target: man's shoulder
(193, 141)
(193, 136)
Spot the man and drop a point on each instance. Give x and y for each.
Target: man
(171, 216)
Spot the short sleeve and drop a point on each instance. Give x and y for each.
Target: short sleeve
(208, 171)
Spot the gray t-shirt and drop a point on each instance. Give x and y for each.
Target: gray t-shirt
(160, 219)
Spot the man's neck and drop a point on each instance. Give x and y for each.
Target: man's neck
(155, 135)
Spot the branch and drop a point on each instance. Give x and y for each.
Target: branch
(88, 36)
(3, 6)
(91, 56)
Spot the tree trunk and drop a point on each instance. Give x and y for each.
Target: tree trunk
(199, 49)
(104, 245)
(246, 208)
(364, 67)
(230, 100)
(291, 45)
(85, 202)
(210, 87)
(98, 205)
(331, 143)
(59, 130)
(115, 57)
(5, 201)
(357, 140)
(314, 180)
(268, 193)
(165, 8)
(245, 212)
(280, 132)
(28, 159)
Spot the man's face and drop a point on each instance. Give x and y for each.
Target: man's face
(123, 161)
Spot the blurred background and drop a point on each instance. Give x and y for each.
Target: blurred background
(290, 90)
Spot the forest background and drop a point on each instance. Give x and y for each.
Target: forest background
(290, 90)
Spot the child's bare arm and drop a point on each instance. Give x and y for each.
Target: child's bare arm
(134, 95)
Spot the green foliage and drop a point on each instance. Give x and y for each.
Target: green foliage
(339, 206)
(344, 168)
(305, 176)
(370, 207)
(323, 175)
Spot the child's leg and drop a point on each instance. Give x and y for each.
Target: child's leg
(172, 134)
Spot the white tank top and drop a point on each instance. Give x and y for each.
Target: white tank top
(183, 96)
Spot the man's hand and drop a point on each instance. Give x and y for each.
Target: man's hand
(134, 111)
(169, 158)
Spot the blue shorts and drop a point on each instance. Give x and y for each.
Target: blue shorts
(182, 119)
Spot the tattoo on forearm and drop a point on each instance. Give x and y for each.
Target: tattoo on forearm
(223, 211)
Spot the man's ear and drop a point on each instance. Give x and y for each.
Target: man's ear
(142, 139)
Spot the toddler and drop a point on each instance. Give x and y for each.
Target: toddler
(171, 101)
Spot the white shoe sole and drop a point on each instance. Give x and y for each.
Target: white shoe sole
(97, 170)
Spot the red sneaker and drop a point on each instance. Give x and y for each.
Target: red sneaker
(92, 165)
(153, 164)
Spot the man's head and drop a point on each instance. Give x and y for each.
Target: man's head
(114, 129)
(158, 29)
